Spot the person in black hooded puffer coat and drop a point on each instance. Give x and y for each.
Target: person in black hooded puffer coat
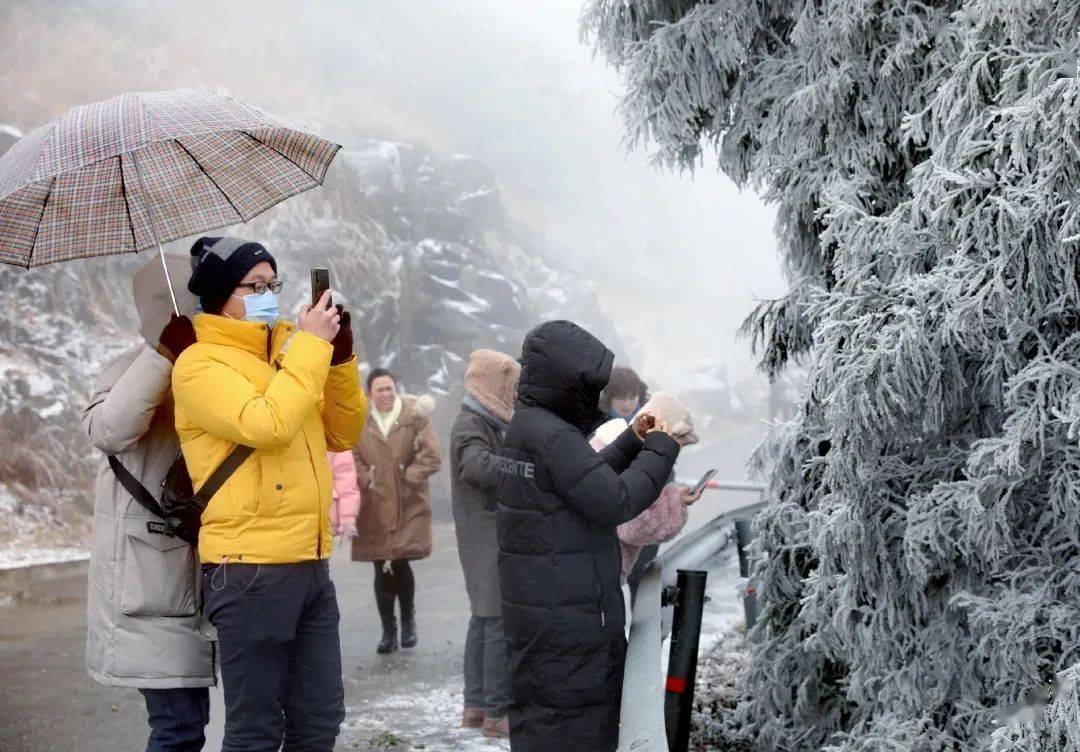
(559, 503)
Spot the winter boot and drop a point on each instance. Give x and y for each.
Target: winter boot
(384, 600)
(472, 718)
(408, 630)
(497, 728)
(388, 643)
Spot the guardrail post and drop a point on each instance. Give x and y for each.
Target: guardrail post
(744, 534)
(682, 663)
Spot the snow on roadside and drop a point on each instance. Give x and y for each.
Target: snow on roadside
(427, 718)
(719, 676)
(14, 558)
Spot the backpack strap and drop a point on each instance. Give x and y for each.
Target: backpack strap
(223, 472)
(137, 490)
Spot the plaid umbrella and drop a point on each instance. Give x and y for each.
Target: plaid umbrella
(141, 169)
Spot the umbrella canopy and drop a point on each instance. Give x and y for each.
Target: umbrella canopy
(141, 169)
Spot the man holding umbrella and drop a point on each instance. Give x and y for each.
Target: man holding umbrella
(291, 393)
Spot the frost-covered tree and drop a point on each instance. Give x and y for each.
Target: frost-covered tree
(921, 566)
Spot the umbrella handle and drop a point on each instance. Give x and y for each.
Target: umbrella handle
(168, 279)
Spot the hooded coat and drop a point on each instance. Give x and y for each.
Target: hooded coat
(142, 621)
(559, 504)
(475, 441)
(393, 471)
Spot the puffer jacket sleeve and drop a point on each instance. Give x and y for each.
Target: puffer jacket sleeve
(427, 459)
(475, 454)
(346, 489)
(659, 523)
(344, 407)
(587, 483)
(621, 452)
(124, 401)
(219, 400)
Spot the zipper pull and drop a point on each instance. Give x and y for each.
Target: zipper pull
(603, 619)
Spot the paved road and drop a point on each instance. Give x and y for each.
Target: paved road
(47, 703)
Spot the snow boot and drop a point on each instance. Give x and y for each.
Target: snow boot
(408, 630)
(389, 641)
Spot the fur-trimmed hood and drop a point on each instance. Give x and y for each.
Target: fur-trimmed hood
(422, 406)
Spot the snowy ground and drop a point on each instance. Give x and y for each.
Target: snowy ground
(14, 557)
(424, 719)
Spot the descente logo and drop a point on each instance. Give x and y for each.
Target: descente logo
(511, 466)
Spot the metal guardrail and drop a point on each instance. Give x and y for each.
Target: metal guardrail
(643, 726)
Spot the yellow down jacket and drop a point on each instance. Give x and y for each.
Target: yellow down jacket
(273, 390)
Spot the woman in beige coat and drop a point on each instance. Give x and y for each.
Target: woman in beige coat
(143, 600)
(397, 454)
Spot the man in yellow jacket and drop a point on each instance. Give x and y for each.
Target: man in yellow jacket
(291, 393)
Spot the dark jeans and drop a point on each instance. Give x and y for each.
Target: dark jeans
(277, 628)
(647, 554)
(397, 584)
(177, 718)
(486, 668)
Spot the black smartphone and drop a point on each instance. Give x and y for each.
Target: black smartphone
(320, 283)
(700, 486)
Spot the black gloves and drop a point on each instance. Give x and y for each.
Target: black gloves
(343, 340)
(176, 337)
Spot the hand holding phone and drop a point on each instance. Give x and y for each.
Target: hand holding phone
(700, 485)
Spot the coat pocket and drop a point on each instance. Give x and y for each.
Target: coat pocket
(159, 572)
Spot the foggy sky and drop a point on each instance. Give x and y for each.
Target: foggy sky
(678, 260)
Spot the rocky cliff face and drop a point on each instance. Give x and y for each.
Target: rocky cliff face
(418, 247)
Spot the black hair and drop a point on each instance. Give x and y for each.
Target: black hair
(378, 373)
(624, 382)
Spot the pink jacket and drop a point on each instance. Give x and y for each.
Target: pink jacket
(659, 523)
(346, 504)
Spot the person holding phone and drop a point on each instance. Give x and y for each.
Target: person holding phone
(291, 392)
(559, 504)
(667, 516)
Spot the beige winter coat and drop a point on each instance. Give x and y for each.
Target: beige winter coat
(393, 472)
(143, 596)
(143, 599)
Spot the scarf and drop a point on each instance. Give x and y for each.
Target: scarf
(386, 421)
(474, 404)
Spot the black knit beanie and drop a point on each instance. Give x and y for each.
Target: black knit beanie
(218, 265)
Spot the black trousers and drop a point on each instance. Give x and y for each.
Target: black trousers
(277, 628)
(397, 584)
(177, 718)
